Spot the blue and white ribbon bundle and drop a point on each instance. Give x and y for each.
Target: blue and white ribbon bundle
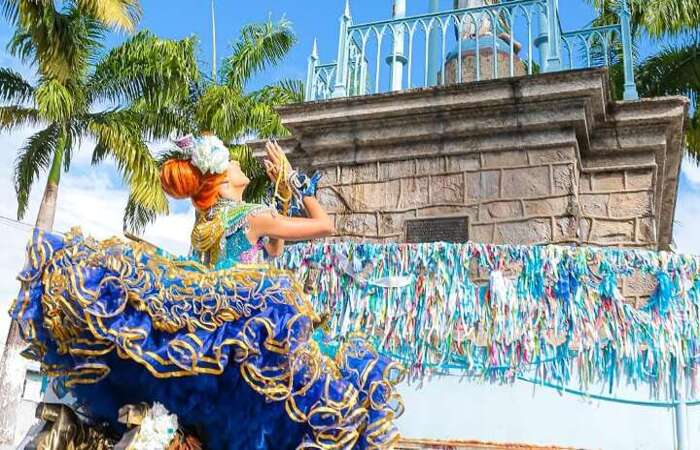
(498, 312)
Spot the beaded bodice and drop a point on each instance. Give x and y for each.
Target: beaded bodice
(220, 236)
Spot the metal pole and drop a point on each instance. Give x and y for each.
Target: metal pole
(542, 40)
(553, 51)
(397, 60)
(434, 56)
(627, 55)
(680, 411)
(213, 42)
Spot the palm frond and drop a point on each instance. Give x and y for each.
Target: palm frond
(281, 93)
(670, 17)
(262, 120)
(229, 115)
(119, 137)
(675, 70)
(61, 44)
(692, 137)
(118, 14)
(609, 13)
(657, 17)
(172, 152)
(32, 158)
(259, 46)
(137, 216)
(54, 100)
(220, 110)
(13, 87)
(147, 68)
(12, 117)
(10, 10)
(162, 122)
(73, 136)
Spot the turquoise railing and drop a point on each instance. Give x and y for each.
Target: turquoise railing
(511, 38)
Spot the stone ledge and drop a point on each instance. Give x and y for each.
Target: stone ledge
(570, 110)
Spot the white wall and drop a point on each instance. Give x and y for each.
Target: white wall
(448, 409)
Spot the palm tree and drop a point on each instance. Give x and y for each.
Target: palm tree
(119, 100)
(226, 108)
(50, 32)
(122, 100)
(674, 25)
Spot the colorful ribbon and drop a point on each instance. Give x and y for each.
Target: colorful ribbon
(500, 312)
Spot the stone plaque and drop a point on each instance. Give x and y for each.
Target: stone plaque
(436, 229)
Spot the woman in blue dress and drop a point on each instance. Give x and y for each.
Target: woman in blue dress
(221, 340)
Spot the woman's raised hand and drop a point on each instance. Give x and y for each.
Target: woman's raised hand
(276, 162)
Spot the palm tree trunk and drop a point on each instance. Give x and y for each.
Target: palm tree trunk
(12, 365)
(47, 208)
(12, 374)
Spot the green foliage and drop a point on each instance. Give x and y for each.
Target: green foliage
(693, 136)
(122, 99)
(143, 90)
(54, 100)
(658, 18)
(281, 93)
(259, 46)
(13, 88)
(58, 42)
(669, 17)
(32, 158)
(137, 70)
(12, 117)
(257, 189)
(119, 14)
(233, 114)
(228, 110)
(675, 68)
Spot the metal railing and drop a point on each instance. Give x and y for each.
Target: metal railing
(506, 39)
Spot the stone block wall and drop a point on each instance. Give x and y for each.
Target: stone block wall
(618, 208)
(533, 160)
(510, 196)
(524, 196)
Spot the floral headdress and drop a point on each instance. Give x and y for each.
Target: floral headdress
(207, 153)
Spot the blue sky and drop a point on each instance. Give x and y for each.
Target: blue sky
(310, 18)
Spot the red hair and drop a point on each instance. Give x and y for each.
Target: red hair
(181, 179)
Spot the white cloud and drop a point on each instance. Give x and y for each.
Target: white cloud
(87, 196)
(685, 229)
(691, 172)
(685, 235)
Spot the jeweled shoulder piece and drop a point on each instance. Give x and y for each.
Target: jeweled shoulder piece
(213, 227)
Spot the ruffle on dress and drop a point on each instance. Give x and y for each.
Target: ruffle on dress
(229, 351)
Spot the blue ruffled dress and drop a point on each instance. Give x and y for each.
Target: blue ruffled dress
(229, 349)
